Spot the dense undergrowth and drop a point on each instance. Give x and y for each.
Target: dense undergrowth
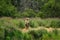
(55, 23)
(19, 23)
(14, 34)
(32, 8)
(19, 9)
(9, 31)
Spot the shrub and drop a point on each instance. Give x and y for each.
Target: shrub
(5, 22)
(55, 35)
(18, 35)
(22, 24)
(27, 36)
(55, 32)
(15, 22)
(38, 34)
(7, 9)
(29, 13)
(42, 23)
(55, 23)
(49, 22)
(41, 15)
(1, 34)
(45, 23)
(33, 23)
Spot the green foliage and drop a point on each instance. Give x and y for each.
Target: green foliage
(14, 34)
(33, 23)
(30, 8)
(7, 9)
(41, 15)
(28, 13)
(49, 23)
(27, 36)
(1, 33)
(50, 9)
(55, 23)
(8, 22)
(22, 24)
(40, 34)
(36, 34)
(42, 22)
(9, 29)
(18, 35)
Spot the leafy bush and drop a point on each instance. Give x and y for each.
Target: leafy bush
(8, 31)
(18, 35)
(22, 24)
(41, 15)
(55, 32)
(38, 34)
(44, 35)
(27, 36)
(15, 22)
(33, 23)
(14, 34)
(49, 22)
(1, 33)
(7, 9)
(43, 22)
(28, 13)
(55, 23)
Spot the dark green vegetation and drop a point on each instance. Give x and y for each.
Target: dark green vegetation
(30, 8)
(11, 33)
(42, 13)
(33, 23)
(9, 29)
(55, 23)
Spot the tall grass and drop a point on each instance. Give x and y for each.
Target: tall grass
(55, 23)
(14, 34)
(44, 35)
(45, 23)
(22, 24)
(33, 23)
(8, 29)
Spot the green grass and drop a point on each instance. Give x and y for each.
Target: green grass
(12, 33)
(8, 27)
(33, 23)
(55, 23)
(44, 35)
(21, 24)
